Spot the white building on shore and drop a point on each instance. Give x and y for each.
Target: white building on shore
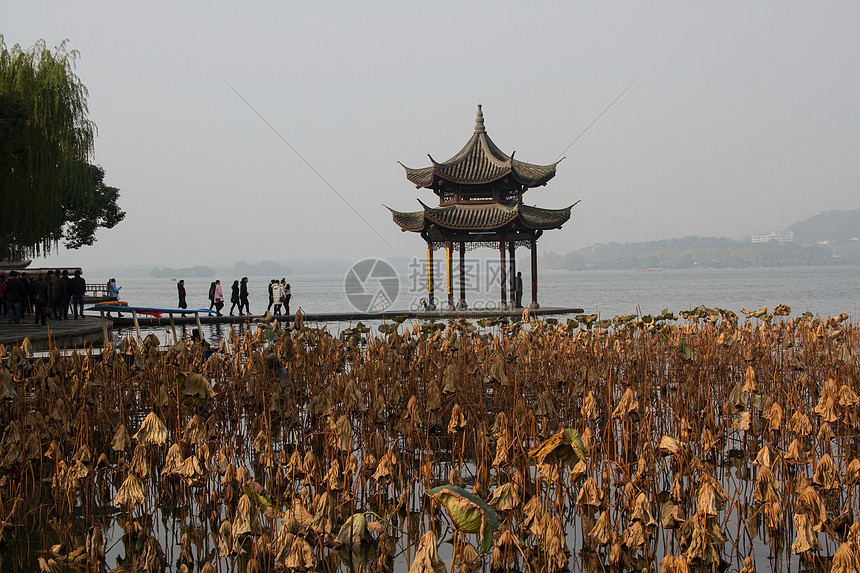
(779, 237)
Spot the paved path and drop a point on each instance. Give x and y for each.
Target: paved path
(69, 333)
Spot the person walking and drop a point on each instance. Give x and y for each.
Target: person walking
(180, 287)
(15, 295)
(113, 290)
(212, 295)
(218, 298)
(272, 298)
(277, 295)
(56, 282)
(78, 289)
(42, 300)
(243, 297)
(27, 308)
(113, 293)
(234, 299)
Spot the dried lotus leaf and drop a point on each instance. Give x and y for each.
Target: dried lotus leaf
(563, 447)
(504, 497)
(152, 431)
(130, 493)
(626, 405)
(427, 558)
(194, 384)
(805, 539)
(668, 446)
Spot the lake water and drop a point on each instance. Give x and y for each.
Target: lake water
(822, 291)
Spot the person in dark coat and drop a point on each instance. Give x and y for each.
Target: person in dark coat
(234, 298)
(180, 287)
(15, 295)
(243, 296)
(56, 283)
(27, 308)
(41, 294)
(78, 289)
(287, 296)
(212, 295)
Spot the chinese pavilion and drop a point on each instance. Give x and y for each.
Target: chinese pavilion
(480, 192)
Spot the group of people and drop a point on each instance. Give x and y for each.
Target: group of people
(43, 296)
(238, 296)
(279, 296)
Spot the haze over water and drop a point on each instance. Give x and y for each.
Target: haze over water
(822, 291)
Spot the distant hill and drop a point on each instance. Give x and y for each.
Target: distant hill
(832, 226)
(186, 272)
(261, 269)
(822, 240)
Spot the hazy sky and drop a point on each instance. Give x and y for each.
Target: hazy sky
(743, 116)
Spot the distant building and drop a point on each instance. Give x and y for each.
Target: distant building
(780, 237)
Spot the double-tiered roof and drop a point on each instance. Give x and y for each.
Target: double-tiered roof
(480, 188)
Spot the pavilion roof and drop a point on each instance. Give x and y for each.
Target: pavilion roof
(480, 162)
(481, 216)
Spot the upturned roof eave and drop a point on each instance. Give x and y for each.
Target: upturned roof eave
(480, 148)
(519, 218)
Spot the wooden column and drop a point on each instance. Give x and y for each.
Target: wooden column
(431, 303)
(533, 246)
(512, 263)
(502, 275)
(461, 304)
(448, 248)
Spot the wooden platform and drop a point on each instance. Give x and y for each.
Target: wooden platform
(324, 317)
(87, 331)
(69, 333)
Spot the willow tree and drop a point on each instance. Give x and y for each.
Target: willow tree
(47, 141)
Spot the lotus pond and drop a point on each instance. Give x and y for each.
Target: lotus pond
(669, 443)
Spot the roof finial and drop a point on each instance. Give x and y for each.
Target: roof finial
(479, 121)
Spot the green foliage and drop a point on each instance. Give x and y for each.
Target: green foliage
(468, 512)
(48, 189)
(84, 214)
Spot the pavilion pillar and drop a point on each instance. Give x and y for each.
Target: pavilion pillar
(512, 263)
(533, 245)
(461, 304)
(449, 246)
(502, 275)
(431, 302)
